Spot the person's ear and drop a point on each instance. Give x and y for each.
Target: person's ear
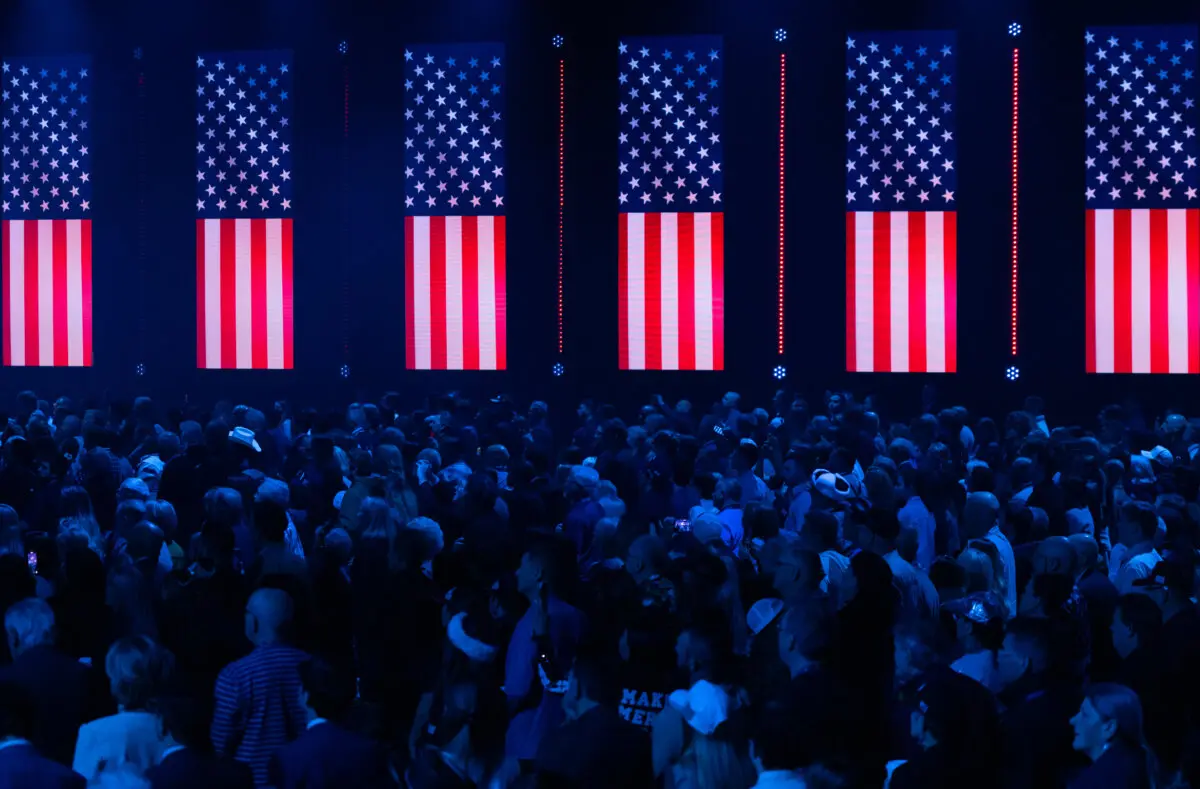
(1108, 729)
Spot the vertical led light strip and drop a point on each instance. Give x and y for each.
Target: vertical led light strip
(561, 138)
(143, 190)
(782, 114)
(346, 234)
(1016, 111)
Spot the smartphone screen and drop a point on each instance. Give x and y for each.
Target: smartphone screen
(32, 559)
(683, 525)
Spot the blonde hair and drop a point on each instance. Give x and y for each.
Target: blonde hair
(79, 531)
(136, 667)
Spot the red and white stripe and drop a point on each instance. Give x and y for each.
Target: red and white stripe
(244, 294)
(901, 291)
(455, 307)
(47, 270)
(1143, 290)
(671, 310)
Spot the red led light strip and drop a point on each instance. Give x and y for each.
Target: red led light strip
(782, 106)
(561, 137)
(1016, 108)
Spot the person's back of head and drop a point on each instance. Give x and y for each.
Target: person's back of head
(130, 513)
(977, 567)
(271, 521)
(980, 514)
(1087, 552)
(145, 541)
(328, 691)
(1137, 623)
(223, 507)
(269, 616)
(162, 514)
(28, 624)
(137, 667)
(647, 556)
(593, 679)
(1138, 523)
(185, 714)
(133, 489)
(820, 530)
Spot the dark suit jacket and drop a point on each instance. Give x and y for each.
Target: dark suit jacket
(192, 768)
(67, 694)
(326, 755)
(22, 767)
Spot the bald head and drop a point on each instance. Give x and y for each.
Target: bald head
(981, 513)
(270, 611)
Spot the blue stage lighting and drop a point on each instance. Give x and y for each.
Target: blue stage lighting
(558, 369)
(780, 372)
(557, 41)
(781, 35)
(1014, 29)
(343, 47)
(1012, 373)
(140, 370)
(345, 371)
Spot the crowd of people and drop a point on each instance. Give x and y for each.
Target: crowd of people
(477, 595)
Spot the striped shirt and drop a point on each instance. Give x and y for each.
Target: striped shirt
(258, 706)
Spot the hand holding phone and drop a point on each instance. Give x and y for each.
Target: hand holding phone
(31, 559)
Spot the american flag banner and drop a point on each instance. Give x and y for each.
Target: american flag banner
(455, 308)
(670, 202)
(45, 209)
(901, 220)
(1143, 209)
(243, 211)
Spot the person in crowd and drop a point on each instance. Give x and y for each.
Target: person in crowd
(65, 693)
(132, 740)
(327, 755)
(190, 762)
(1108, 730)
(541, 649)
(258, 705)
(594, 747)
(21, 765)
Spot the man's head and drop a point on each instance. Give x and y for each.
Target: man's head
(797, 465)
(271, 520)
(1087, 553)
(646, 558)
(1136, 622)
(1138, 523)
(728, 493)
(981, 513)
(879, 531)
(268, 614)
(542, 569)
(130, 513)
(325, 691)
(590, 684)
(806, 634)
(28, 624)
(581, 483)
(145, 542)
(798, 572)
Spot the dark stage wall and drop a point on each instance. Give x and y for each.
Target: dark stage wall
(348, 237)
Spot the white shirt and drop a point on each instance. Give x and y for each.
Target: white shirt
(1009, 560)
(916, 516)
(1140, 564)
(13, 742)
(314, 722)
(917, 593)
